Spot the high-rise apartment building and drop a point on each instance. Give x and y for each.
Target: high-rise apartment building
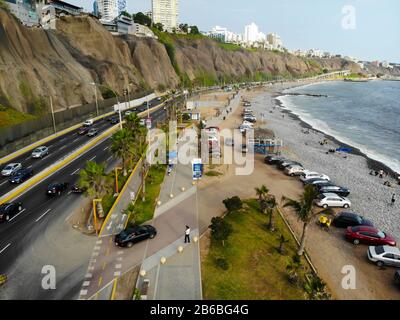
(166, 12)
(108, 9)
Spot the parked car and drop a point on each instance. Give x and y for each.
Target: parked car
(88, 123)
(272, 159)
(384, 256)
(287, 163)
(397, 277)
(8, 210)
(294, 170)
(350, 219)
(21, 175)
(132, 235)
(11, 169)
(40, 152)
(57, 188)
(83, 130)
(250, 118)
(229, 142)
(318, 182)
(76, 189)
(93, 132)
(369, 235)
(331, 200)
(340, 191)
(311, 175)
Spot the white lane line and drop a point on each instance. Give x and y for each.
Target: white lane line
(86, 284)
(75, 140)
(93, 158)
(16, 215)
(30, 167)
(43, 215)
(105, 149)
(117, 274)
(3, 183)
(2, 250)
(63, 147)
(26, 159)
(108, 159)
(75, 172)
(118, 266)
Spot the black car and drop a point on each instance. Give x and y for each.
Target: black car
(83, 130)
(76, 189)
(340, 191)
(317, 182)
(8, 210)
(21, 175)
(57, 188)
(115, 120)
(132, 235)
(350, 219)
(272, 159)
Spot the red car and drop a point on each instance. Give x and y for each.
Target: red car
(369, 235)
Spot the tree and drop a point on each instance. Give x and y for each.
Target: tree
(282, 242)
(220, 229)
(194, 30)
(121, 146)
(132, 123)
(233, 204)
(184, 27)
(95, 181)
(4, 6)
(316, 289)
(126, 14)
(305, 211)
(142, 19)
(159, 27)
(293, 268)
(271, 208)
(261, 193)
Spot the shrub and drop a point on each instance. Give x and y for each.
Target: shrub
(233, 204)
(222, 263)
(220, 229)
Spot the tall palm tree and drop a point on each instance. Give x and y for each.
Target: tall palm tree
(305, 211)
(95, 181)
(271, 208)
(261, 193)
(121, 146)
(132, 122)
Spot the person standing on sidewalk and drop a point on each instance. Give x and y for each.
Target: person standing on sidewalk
(187, 234)
(393, 199)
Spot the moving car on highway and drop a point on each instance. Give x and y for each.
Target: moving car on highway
(11, 169)
(384, 256)
(350, 219)
(40, 152)
(88, 123)
(57, 188)
(9, 210)
(369, 235)
(132, 235)
(21, 175)
(332, 200)
(93, 132)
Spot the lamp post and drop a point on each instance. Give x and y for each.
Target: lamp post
(52, 115)
(95, 95)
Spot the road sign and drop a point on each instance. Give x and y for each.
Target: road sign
(148, 123)
(197, 169)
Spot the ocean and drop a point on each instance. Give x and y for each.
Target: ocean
(365, 115)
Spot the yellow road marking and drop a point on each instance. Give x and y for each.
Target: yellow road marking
(104, 265)
(100, 281)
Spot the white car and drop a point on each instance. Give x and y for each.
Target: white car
(244, 128)
(294, 170)
(142, 122)
(332, 200)
(40, 152)
(10, 169)
(88, 123)
(128, 113)
(247, 123)
(313, 175)
(384, 256)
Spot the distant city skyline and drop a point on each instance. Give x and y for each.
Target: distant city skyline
(302, 24)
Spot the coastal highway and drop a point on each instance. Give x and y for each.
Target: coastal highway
(58, 148)
(40, 211)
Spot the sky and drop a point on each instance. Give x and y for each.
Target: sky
(364, 29)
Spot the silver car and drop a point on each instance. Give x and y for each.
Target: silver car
(332, 200)
(40, 152)
(384, 256)
(10, 169)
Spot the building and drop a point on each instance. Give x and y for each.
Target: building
(51, 10)
(25, 11)
(274, 41)
(251, 34)
(166, 12)
(108, 9)
(95, 8)
(142, 31)
(121, 6)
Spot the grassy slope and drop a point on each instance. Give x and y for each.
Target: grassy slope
(10, 116)
(257, 270)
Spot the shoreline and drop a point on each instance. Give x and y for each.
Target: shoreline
(373, 164)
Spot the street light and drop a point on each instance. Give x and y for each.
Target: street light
(95, 95)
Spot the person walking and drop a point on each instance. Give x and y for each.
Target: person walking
(381, 174)
(187, 234)
(393, 199)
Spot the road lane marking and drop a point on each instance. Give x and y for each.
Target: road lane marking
(86, 284)
(83, 293)
(75, 140)
(93, 158)
(4, 249)
(104, 265)
(117, 274)
(109, 158)
(100, 281)
(75, 172)
(3, 183)
(63, 147)
(30, 166)
(99, 242)
(105, 149)
(88, 275)
(43, 215)
(26, 159)
(16, 215)
(118, 266)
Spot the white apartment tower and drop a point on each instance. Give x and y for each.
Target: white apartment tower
(166, 12)
(108, 9)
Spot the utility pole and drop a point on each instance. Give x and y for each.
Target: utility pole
(52, 115)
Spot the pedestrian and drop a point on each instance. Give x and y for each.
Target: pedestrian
(187, 234)
(393, 199)
(381, 174)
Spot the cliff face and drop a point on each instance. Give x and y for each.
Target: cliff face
(36, 64)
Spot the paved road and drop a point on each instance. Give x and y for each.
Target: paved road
(40, 211)
(58, 148)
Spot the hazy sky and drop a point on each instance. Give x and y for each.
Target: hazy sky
(302, 24)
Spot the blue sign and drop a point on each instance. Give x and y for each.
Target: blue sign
(348, 150)
(197, 171)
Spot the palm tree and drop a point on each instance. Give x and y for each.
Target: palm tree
(305, 211)
(293, 268)
(96, 183)
(316, 289)
(132, 122)
(271, 208)
(282, 241)
(261, 194)
(121, 146)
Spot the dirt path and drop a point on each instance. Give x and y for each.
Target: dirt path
(328, 251)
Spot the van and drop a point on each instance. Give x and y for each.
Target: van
(88, 123)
